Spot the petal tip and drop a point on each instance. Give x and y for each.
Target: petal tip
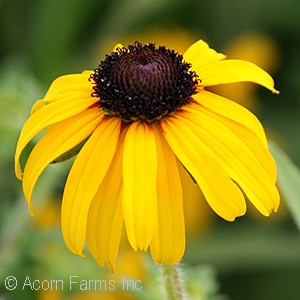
(19, 175)
(111, 266)
(18, 171)
(133, 243)
(144, 248)
(234, 217)
(79, 253)
(31, 211)
(275, 210)
(231, 219)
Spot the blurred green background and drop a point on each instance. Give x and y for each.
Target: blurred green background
(251, 258)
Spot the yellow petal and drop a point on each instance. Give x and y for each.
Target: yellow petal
(250, 141)
(105, 217)
(231, 110)
(199, 54)
(168, 243)
(45, 116)
(69, 84)
(61, 138)
(76, 93)
(139, 184)
(234, 70)
(37, 105)
(238, 161)
(222, 194)
(84, 180)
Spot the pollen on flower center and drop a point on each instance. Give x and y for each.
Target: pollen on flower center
(143, 82)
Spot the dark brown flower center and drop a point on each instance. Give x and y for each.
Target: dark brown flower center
(143, 82)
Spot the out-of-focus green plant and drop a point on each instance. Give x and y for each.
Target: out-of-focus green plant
(288, 181)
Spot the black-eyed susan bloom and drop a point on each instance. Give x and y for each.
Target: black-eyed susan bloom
(139, 114)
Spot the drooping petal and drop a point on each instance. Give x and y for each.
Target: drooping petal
(168, 243)
(139, 184)
(238, 161)
(231, 110)
(234, 70)
(61, 138)
(70, 83)
(45, 116)
(222, 194)
(105, 217)
(84, 180)
(199, 54)
(246, 136)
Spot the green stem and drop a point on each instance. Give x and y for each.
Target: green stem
(173, 283)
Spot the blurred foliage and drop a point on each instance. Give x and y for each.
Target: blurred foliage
(252, 258)
(288, 181)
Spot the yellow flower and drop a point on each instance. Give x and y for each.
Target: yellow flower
(142, 111)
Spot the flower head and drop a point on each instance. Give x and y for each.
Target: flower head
(139, 114)
(143, 83)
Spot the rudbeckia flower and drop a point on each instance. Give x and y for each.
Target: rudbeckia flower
(143, 111)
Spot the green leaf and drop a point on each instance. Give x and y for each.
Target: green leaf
(288, 181)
